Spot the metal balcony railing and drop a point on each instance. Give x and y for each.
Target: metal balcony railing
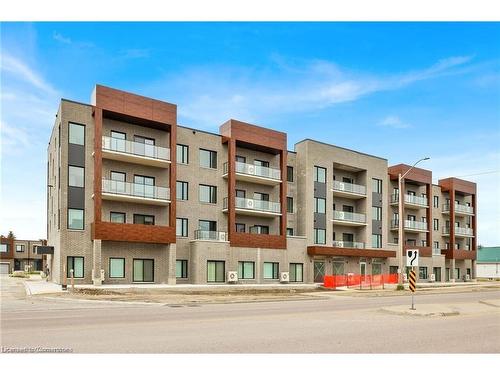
(135, 190)
(460, 208)
(254, 170)
(254, 204)
(348, 187)
(210, 235)
(410, 224)
(135, 148)
(349, 216)
(459, 230)
(411, 199)
(349, 244)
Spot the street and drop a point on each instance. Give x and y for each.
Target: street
(334, 324)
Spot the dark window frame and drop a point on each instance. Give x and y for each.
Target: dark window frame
(275, 271)
(212, 193)
(83, 218)
(182, 190)
(77, 166)
(289, 205)
(68, 268)
(223, 272)
(117, 212)
(152, 273)
(243, 270)
(244, 227)
(184, 269)
(289, 173)
(22, 247)
(84, 133)
(144, 216)
(109, 268)
(295, 272)
(211, 159)
(183, 219)
(316, 174)
(184, 153)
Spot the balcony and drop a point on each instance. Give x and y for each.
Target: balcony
(254, 207)
(135, 193)
(410, 225)
(459, 232)
(349, 244)
(209, 235)
(348, 218)
(348, 190)
(254, 173)
(436, 251)
(135, 152)
(460, 210)
(410, 201)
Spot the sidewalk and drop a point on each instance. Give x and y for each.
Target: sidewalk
(434, 310)
(34, 287)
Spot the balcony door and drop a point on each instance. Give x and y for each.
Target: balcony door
(118, 182)
(118, 140)
(144, 146)
(144, 186)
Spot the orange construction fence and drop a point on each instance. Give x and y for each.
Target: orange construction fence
(361, 281)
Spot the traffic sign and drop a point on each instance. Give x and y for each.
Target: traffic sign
(413, 281)
(412, 258)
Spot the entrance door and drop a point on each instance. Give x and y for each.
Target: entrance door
(437, 273)
(362, 270)
(319, 271)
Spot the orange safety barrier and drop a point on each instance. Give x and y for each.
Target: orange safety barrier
(357, 280)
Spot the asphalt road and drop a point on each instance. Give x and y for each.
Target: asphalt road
(336, 324)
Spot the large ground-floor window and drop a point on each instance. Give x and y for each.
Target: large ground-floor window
(181, 268)
(246, 270)
(75, 264)
(271, 270)
(296, 272)
(338, 268)
(117, 268)
(422, 273)
(216, 271)
(143, 270)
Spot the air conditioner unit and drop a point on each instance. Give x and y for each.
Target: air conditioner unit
(251, 169)
(249, 203)
(284, 277)
(432, 277)
(232, 276)
(341, 186)
(222, 236)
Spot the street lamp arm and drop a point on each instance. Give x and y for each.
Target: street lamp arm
(418, 161)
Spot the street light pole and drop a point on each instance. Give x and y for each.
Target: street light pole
(400, 219)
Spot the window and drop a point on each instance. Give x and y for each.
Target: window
(182, 154)
(271, 270)
(296, 272)
(261, 197)
(393, 270)
(76, 134)
(181, 269)
(436, 245)
(423, 243)
(118, 135)
(319, 174)
(261, 163)
(144, 146)
(289, 205)
(240, 193)
(435, 224)
(207, 225)
(117, 217)
(144, 219)
(181, 227)
(4, 248)
(319, 205)
(457, 274)
(75, 264)
(376, 268)
(240, 227)
(435, 201)
(246, 270)
(422, 272)
(208, 159)
(241, 159)
(376, 213)
(76, 176)
(116, 268)
(319, 236)
(377, 185)
(19, 248)
(208, 194)
(215, 271)
(143, 270)
(118, 176)
(289, 174)
(181, 191)
(376, 241)
(75, 218)
(259, 229)
(289, 231)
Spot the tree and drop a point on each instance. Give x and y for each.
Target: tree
(11, 235)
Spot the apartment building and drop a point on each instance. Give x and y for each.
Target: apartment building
(134, 197)
(20, 255)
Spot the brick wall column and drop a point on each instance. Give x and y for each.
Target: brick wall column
(96, 262)
(171, 260)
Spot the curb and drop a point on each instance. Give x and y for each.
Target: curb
(489, 304)
(407, 313)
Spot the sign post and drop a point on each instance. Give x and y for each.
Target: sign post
(412, 261)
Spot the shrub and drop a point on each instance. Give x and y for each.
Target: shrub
(400, 287)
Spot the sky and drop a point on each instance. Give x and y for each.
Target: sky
(401, 91)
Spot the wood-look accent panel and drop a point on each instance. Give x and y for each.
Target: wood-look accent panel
(133, 232)
(423, 176)
(342, 251)
(266, 241)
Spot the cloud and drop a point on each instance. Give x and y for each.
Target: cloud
(394, 122)
(61, 38)
(206, 94)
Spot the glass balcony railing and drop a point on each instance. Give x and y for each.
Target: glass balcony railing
(436, 251)
(411, 199)
(135, 190)
(254, 170)
(135, 148)
(459, 208)
(348, 187)
(255, 205)
(410, 224)
(349, 244)
(459, 231)
(349, 216)
(210, 235)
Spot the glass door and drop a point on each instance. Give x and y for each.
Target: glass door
(319, 271)
(362, 270)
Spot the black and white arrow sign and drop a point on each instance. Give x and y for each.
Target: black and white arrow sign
(412, 258)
